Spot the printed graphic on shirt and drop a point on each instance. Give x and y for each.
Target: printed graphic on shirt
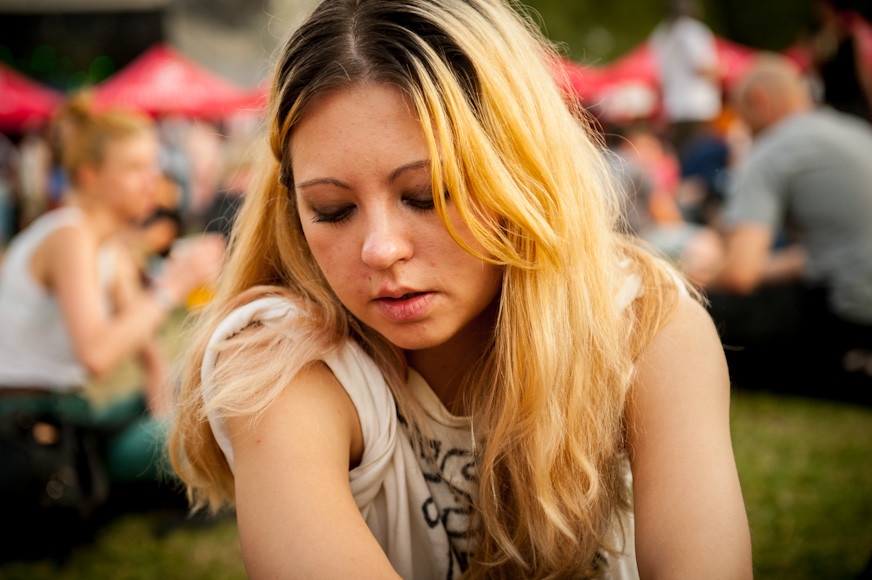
(450, 475)
(450, 472)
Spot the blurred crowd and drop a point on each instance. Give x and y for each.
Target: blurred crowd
(760, 193)
(113, 221)
(202, 166)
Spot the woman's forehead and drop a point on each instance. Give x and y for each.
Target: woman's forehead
(363, 119)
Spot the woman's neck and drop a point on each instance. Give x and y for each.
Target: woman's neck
(447, 366)
(102, 221)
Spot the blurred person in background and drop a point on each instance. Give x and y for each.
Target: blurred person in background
(238, 167)
(650, 211)
(204, 146)
(175, 162)
(151, 240)
(687, 60)
(807, 177)
(73, 307)
(36, 168)
(705, 171)
(661, 167)
(142, 252)
(10, 188)
(840, 54)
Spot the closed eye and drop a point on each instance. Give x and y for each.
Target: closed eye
(332, 215)
(422, 199)
(422, 203)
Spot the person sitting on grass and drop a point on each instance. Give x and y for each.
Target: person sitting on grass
(73, 308)
(794, 287)
(431, 353)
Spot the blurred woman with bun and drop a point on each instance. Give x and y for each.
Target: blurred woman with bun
(72, 312)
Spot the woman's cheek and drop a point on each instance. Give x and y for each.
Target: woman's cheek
(335, 267)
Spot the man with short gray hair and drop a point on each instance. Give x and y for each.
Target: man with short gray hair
(808, 181)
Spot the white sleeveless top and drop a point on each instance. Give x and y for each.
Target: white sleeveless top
(414, 492)
(35, 347)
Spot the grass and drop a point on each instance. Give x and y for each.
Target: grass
(805, 466)
(807, 479)
(134, 548)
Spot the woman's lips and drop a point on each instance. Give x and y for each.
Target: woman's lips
(406, 308)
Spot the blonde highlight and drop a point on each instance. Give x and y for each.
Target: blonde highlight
(526, 175)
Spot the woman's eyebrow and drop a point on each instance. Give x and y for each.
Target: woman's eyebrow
(322, 181)
(414, 165)
(408, 167)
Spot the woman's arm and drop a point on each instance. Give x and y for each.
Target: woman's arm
(129, 290)
(69, 268)
(690, 516)
(67, 264)
(296, 515)
(156, 378)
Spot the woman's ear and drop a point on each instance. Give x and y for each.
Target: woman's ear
(86, 176)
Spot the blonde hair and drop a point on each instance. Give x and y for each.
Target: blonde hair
(527, 177)
(85, 133)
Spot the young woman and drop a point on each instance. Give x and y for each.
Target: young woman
(70, 299)
(430, 353)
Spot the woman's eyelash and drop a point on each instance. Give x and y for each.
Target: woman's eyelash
(332, 216)
(421, 202)
(423, 199)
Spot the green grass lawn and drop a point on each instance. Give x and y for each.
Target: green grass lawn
(134, 548)
(806, 471)
(805, 466)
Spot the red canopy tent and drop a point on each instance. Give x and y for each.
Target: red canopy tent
(24, 102)
(735, 60)
(162, 81)
(629, 87)
(258, 97)
(583, 81)
(639, 65)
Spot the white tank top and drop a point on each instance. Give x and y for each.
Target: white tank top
(35, 347)
(413, 491)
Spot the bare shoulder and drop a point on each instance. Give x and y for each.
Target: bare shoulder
(690, 518)
(312, 414)
(314, 390)
(295, 511)
(689, 316)
(67, 246)
(688, 342)
(70, 234)
(681, 375)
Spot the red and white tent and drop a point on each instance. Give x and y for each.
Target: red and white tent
(583, 81)
(162, 81)
(23, 101)
(629, 87)
(639, 65)
(735, 60)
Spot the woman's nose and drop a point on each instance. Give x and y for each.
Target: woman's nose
(386, 243)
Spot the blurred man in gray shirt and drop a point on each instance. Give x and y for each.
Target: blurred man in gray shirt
(808, 181)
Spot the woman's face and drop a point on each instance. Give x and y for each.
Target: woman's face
(361, 168)
(126, 180)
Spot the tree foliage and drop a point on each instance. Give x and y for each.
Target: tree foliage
(597, 32)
